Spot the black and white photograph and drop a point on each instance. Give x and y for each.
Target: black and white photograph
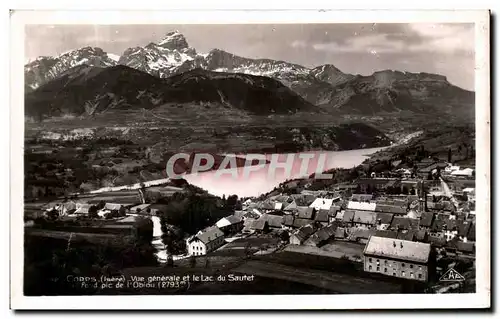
(262, 158)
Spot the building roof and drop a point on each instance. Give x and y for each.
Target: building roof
(322, 235)
(300, 222)
(361, 197)
(384, 218)
(322, 215)
(304, 232)
(465, 247)
(340, 215)
(291, 206)
(359, 233)
(112, 206)
(438, 241)
(398, 249)
(258, 224)
(386, 233)
(404, 223)
(288, 220)
(420, 235)
(407, 235)
(140, 207)
(472, 232)
(348, 216)
(361, 206)
(365, 217)
(209, 234)
(303, 200)
(426, 219)
(228, 220)
(340, 232)
(273, 220)
(333, 210)
(305, 212)
(393, 209)
(322, 203)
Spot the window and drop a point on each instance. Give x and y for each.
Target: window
(419, 267)
(419, 276)
(378, 268)
(370, 267)
(411, 266)
(385, 262)
(394, 274)
(403, 273)
(369, 259)
(411, 275)
(385, 269)
(403, 264)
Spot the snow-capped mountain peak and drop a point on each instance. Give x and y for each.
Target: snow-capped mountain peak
(174, 41)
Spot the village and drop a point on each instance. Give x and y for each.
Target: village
(411, 224)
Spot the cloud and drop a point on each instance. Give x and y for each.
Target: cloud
(299, 44)
(425, 38)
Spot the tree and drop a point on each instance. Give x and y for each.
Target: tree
(143, 229)
(93, 212)
(284, 236)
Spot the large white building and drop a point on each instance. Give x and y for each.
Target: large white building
(205, 241)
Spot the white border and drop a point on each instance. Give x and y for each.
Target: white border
(480, 299)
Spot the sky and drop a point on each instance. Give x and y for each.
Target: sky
(446, 49)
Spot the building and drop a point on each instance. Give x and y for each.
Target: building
(230, 224)
(398, 258)
(322, 203)
(361, 206)
(205, 241)
(322, 216)
(305, 212)
(361, 197)
(321, 236)
(364, 219)
(302, 234)
(384, 220)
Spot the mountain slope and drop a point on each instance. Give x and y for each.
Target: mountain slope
(394, 91)
(44, 69)
(87, 90)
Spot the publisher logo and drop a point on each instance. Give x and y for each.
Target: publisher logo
(452, 275)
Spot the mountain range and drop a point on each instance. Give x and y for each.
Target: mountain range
(170, 70)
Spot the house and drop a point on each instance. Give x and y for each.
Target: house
(466, 248)
(348, 216)
(288, 220)
(451, 229)
(340, 216)
(360, 235)
(421, 236)
(340, 233)
(386, 233)
(301, 222)
(384, 220)
(368, 185)
(205, 241)
(393, 209)
(404, 223)
(407, 235)
(322, 203)
(303, 200)
(305, 212)
(290, 207)
(363, 218)
(322, 216)
(436, 240)
(230, 224)
(321, 236)
(361, 206)
(426, 220)
(302, 234)
(259, 225)
(361, 197)
(139, 208)
(82, 209)
(398, 258)
(274, 221)
(466, 172)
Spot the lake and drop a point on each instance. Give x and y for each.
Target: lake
(261, 180)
